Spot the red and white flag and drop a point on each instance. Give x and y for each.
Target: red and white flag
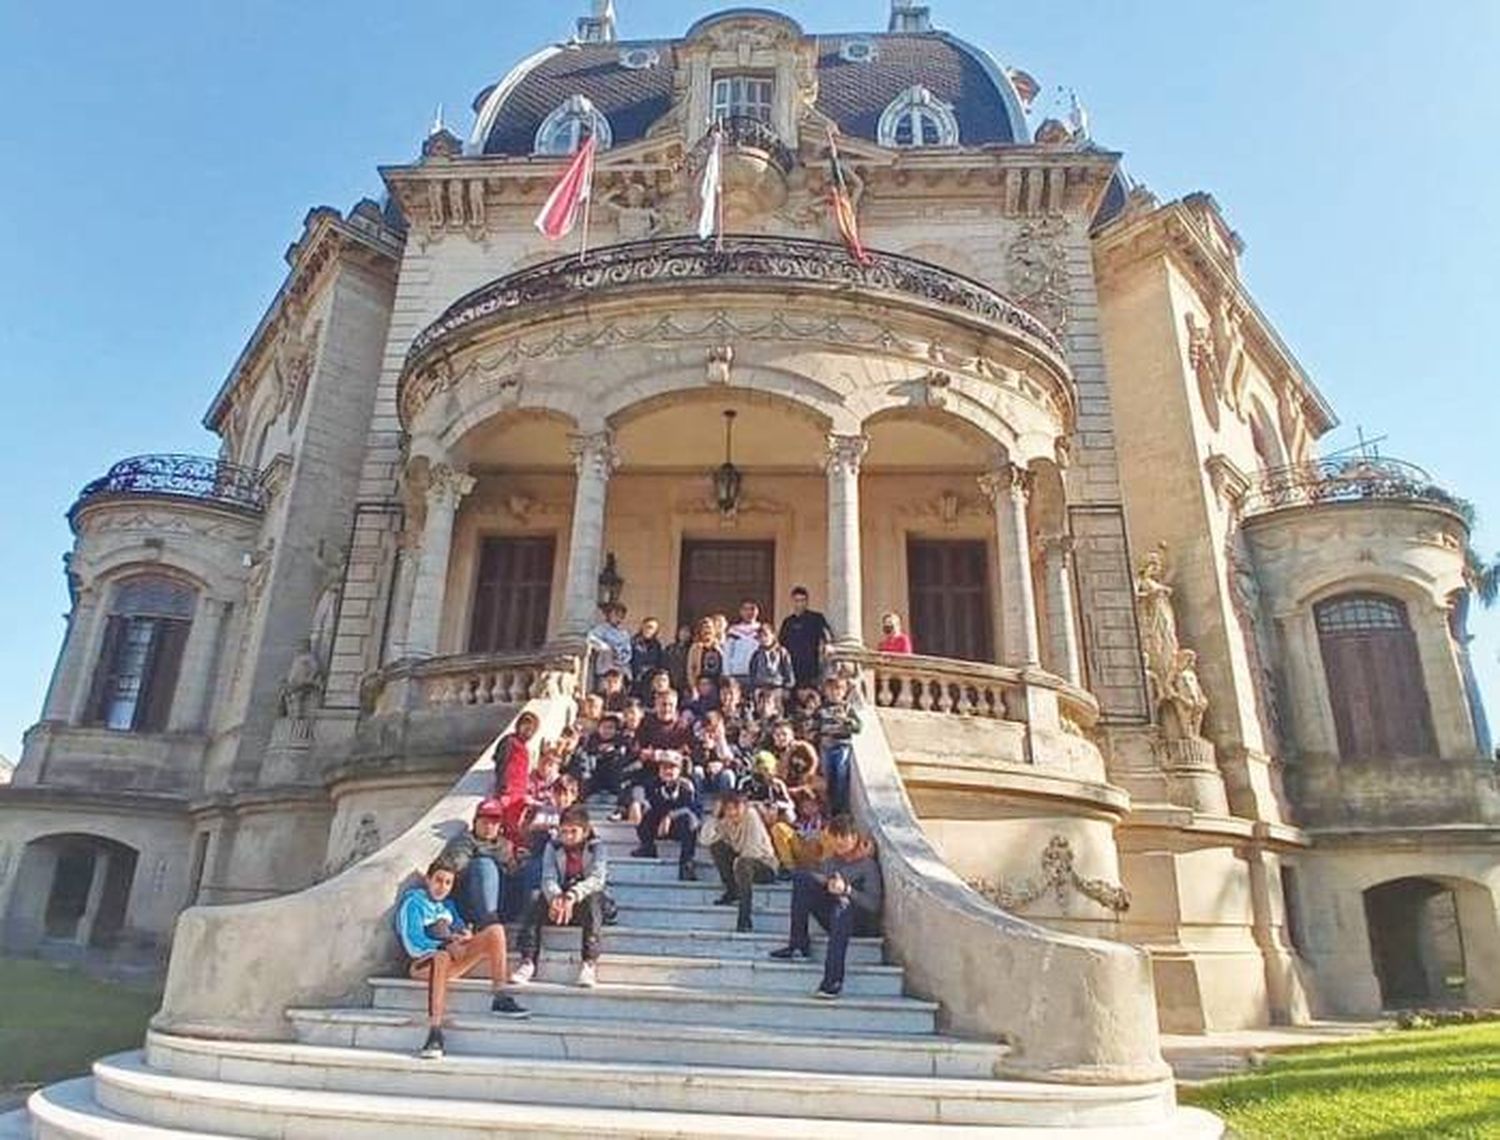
(710, 189)
(569, 198)
(843, 206)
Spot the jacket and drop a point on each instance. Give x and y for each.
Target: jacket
(595, 870)
(740, 644)
(863, 876)
(771, 668)
(679, 798)
(747, 836)
(415, 912)
(465, 847)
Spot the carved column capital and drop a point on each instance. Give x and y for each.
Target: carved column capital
(1009, 479)
(446, 486)
(594, 454)
(1059, 546)
(845, 453)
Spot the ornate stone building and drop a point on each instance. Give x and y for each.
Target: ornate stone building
(1190, 703)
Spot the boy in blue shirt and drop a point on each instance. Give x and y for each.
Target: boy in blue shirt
(443, 949)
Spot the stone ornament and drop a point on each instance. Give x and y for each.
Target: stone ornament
(1009, 479)
(845, 453)
(719, 364)
(1171, 669)
(1060, 876)
(594, 454)
(1037, 270)
(446, 485)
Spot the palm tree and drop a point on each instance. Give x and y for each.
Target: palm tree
(1483, 577)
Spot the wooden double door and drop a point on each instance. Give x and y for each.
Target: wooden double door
(717, 575)
(949, 591)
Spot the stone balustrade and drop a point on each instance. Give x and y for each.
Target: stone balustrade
(965, 688)
(470, 680)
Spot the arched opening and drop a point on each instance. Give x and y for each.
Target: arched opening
(1374, 677)
(141, 654)
(1416, 943)
(71, 890)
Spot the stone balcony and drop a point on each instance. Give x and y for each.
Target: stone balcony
(1350, 479)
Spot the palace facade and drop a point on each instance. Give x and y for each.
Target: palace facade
(1186, 695)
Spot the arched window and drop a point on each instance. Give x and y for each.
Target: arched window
(1374, 677)
(916, 117)
(563, 131)
(142, 653)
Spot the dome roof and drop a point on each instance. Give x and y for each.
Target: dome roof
(854, 87)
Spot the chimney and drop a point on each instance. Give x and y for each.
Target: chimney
(909, 16)
(600, 27)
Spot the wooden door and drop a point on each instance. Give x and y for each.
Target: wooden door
(513, 594)
(1374, 676)
(717, 576)
(950, 599)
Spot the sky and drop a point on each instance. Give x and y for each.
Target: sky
(159, 158)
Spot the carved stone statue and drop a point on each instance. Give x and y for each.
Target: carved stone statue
(1184, 701)
(303, 687)
(1177, 693)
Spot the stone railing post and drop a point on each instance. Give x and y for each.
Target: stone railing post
(595, 459)
(446, 487)
(1008, 490)
(1062, 613)
(845, 573)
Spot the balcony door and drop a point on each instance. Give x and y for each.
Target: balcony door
(717, 576)
(950, 599)
(513, 594)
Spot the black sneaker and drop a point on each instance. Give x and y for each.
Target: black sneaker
(744, 926)
(791, 953)
(728, 898)
(643, 852)
(824, 993)
(506, 1006)
(432, 1048)
(687, 873)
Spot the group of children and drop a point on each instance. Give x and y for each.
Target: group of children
(733, 741)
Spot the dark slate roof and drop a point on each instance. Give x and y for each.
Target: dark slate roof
(852, 94)
(855, 94)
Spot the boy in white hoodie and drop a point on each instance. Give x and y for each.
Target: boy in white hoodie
(741, 846)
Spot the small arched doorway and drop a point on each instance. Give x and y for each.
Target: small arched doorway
(1416, 943)
(71, 890)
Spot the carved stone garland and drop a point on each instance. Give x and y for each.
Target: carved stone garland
(1058, 875)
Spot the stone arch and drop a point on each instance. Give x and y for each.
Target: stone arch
(1434, 939)
(545, 429)
(982, 449)
(71, 887)
(799, 393)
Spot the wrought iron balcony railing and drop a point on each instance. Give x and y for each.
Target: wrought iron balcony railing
(194, 477)
(1348, 479)
(753, 134)
(739, 259)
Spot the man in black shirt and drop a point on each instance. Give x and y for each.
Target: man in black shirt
(806, 635)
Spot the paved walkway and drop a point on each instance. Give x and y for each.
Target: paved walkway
(1202, 1057)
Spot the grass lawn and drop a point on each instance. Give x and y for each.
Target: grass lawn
(1432, 1084)
(54, 1021)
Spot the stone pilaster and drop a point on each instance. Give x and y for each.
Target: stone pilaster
(845, 571)
(70, 682)
(595, 459)
(1062, 613)
(200, 667)
(445, 489)
(1008, 490)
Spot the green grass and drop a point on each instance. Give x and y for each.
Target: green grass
(54, 1021)
(1432, 1084)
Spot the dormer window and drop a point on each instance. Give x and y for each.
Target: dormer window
(858, 51)
(917, 117)
(743, 97)
(639, 58)
(563, 131)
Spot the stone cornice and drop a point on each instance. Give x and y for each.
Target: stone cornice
(327, 237)
(1174, 230)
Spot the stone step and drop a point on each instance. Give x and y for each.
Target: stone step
(219, 1107)
(678, 1005)
(907, 1055)
(632, 938)
(773, 896)
(68, 1111)
(768, 915)
(633, 1086)
(759, 975)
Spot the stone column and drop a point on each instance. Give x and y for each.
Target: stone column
(200, 667)
(1062, 613)
(595, 459)
(845, 574)
(70, 682)
(445, 489)
(1008, 490)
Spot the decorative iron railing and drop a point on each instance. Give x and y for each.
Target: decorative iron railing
(1348, 479)
(195, 477)
(740, 258)
(753, 134)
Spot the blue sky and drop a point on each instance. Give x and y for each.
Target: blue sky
(159, 159)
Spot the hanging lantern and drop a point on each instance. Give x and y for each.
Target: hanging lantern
(611, 585)
(727, 477)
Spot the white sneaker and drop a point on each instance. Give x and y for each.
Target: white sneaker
(587, 976)
(523, 973)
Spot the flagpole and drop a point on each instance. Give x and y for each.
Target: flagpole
(719, 192)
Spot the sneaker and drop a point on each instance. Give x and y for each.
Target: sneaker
(523, 973)
(791, 953)
(643, 853)
(728, 898)
(823, 993)
(617, 817)
(506, 1006)
(783, 876)
(687, 873)
(588, 976)
(744, 926)
(432, 1048)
